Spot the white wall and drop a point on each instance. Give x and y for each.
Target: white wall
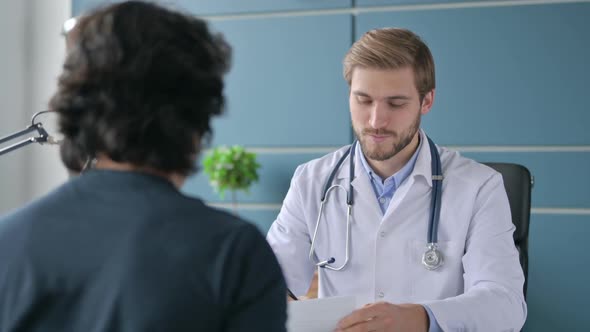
(12, 86)
(30, 60)
(46, 53)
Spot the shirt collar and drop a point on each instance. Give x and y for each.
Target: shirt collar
(400, 175)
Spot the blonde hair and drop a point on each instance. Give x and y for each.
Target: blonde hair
(392, 48)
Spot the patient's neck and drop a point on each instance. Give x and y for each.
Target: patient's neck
(104, 162)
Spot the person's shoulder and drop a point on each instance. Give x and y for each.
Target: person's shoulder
(21, 227)
(35, 210)
(458, 167)
(322, 166)
(13, 228)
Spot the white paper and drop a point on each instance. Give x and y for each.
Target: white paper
(318, 315)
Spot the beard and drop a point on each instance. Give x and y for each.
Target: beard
(381, 152)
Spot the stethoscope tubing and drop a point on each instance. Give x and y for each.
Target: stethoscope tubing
(434, 213)
(437, 194)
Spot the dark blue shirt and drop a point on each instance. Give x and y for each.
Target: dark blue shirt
(124, 251)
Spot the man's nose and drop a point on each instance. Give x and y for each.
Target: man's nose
(379, 117)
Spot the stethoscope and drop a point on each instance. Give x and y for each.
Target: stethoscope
(432, 258)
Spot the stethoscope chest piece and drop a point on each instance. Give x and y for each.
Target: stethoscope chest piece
(432, 258)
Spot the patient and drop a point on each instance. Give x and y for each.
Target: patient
(120, 248)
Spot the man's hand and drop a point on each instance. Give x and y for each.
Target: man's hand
(386, 317)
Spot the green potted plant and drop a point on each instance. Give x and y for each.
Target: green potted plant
(232, 169)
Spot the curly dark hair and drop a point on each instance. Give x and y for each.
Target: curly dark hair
(140, 84)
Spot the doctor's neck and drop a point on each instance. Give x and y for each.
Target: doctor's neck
(388, 167)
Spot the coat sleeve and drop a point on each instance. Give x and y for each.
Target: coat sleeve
(493, 297)
(289, 238)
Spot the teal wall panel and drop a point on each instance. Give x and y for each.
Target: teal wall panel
(505, 75)
(218, 7)
(286, 87)
(558, 288)
(362, 3)
(241, 6)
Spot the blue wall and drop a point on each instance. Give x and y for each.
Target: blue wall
(511, 87)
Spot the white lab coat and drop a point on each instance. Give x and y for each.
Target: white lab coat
(479, 287)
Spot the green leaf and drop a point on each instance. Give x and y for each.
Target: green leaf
(231, 168)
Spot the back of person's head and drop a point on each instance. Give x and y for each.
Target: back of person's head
(140, 85)
(392, 48)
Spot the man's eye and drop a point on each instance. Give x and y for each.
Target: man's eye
(363, 101)
(396, 105)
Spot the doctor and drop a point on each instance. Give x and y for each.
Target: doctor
(421, 261)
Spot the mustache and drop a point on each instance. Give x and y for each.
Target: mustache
(378, 132)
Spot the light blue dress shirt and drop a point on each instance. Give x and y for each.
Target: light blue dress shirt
(384, 190)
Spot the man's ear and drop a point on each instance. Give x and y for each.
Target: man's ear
(427, 102)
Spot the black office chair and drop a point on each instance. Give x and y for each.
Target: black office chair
(518, 183)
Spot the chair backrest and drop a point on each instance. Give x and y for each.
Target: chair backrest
(518, 183)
